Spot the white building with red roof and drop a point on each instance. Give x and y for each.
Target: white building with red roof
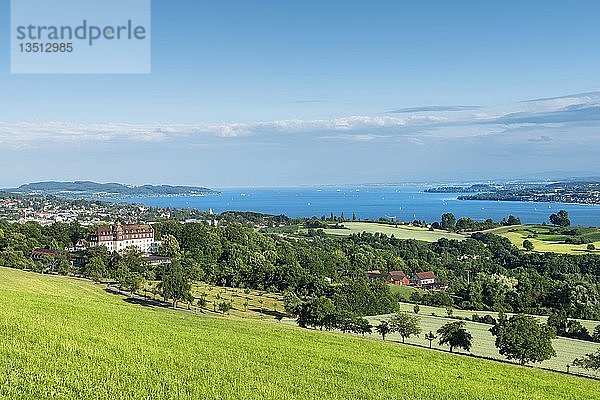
(118, 238)
(423, 278)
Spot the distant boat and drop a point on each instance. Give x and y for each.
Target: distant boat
(242, 194)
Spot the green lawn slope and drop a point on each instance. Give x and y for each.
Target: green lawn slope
(68, 339)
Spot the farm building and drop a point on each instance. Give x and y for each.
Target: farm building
(374, 274)
(423, 279)
(397, 278)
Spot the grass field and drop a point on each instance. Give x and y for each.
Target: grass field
(245, 303)
(544, 241)
(399, 232)
(65, 338)
(403, 291)
(483, 341)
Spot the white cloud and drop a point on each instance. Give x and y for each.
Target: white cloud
(559, 112)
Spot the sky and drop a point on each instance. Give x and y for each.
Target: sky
(286, 93)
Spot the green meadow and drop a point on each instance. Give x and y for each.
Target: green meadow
(432, 318)
(65, 338)
(544, 240)
(399, 231)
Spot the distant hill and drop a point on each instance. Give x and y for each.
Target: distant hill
(87, 189)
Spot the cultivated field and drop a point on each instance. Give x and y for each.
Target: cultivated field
(399, 232)
(69, 339)
(545, 241)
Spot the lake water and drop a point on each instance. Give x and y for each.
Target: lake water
(404, 202)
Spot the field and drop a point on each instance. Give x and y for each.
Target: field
(69, 339)
(403, 291)
(245, 303)
(483, 341)
(545, 241)
(399, 232)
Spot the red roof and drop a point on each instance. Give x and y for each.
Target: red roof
(397, 275)
(425, 275)
(42, 252)
(374, 274)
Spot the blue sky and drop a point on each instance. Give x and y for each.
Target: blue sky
(268, 93)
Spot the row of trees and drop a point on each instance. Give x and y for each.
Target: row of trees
(450, 223)
(520, 338)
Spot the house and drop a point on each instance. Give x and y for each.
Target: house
(397, 278)
(81, 245)
(374, 274)
(423, 279)
(118, 238)
(38, 254)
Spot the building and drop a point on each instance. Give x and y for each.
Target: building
(118, 238)
(81, 245)
(423, 278)
(39, 254)
(156, 260)
(374, 274)
(397, 278)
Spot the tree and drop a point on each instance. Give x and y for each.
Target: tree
(589, 361)
(577, 331)
(169, 246)
(202, 301)
(448, 222)
(512, 220)
(317, 312)
(455, 335)
(558, 321)
(95, 268)
(362, 326)
(596, 334)
(175, 285)
(416, 308)
(224, 307)
(591, 247)
(405, 324)
(527, 245)
(291, 303)
(132, 281)
(384, 328)
(523, 338)
(431, 337)
(560, 219)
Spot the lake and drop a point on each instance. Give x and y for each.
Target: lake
(404, 202)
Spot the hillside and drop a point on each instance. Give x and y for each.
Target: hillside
(86, 189)
(67, 338)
